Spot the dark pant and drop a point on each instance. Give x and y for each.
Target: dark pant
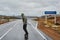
(25, 28)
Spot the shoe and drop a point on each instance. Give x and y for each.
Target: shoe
(26, 36)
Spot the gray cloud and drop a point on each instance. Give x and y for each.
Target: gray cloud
(29, 7)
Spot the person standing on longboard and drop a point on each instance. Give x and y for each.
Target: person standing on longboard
(24, 19)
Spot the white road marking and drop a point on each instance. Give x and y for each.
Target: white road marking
(38, 31)
(16, 24)
(7, 32)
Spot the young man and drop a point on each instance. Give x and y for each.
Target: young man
(24, 19)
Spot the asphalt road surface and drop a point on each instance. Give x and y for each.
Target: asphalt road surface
(14, 31)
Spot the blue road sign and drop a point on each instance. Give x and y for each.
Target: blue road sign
(50, 12)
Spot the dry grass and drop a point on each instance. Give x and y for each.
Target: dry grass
(53, 32)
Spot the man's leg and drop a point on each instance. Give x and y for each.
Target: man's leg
(25, 29)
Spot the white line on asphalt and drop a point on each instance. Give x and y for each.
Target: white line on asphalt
(38, 31)
(7, 32)
(36, 24)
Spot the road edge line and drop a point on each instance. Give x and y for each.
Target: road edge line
(38, 31)
(7, 32)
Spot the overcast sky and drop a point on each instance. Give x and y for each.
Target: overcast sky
(28, 7)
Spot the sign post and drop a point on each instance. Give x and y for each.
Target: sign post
(50, 13)
(55, 19)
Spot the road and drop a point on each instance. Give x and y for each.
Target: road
(14, 31)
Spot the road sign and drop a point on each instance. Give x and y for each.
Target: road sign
(50, 12)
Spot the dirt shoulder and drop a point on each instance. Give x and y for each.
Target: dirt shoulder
(51, 32)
